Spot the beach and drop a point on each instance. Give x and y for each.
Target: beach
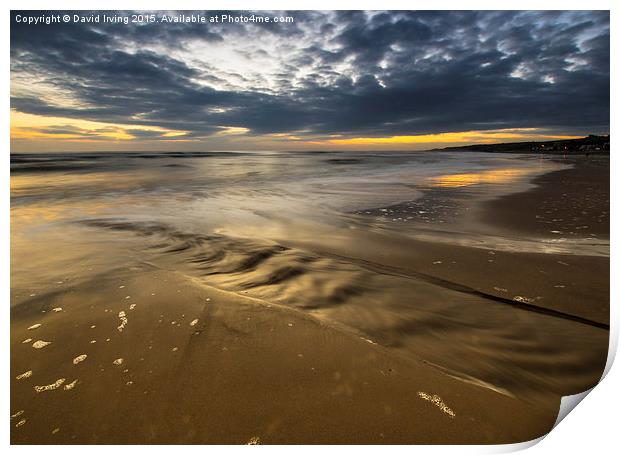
(273, 298)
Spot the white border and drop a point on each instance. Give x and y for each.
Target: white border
(591, 428)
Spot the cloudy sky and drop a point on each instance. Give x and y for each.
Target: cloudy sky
(329, 80)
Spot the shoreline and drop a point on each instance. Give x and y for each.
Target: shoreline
(570, 203)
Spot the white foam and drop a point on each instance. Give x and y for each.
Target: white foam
(53, 386)
(71, 385)
(437, 401)
(123, 318)
(25, 375)
(40, 344)
(79, 358)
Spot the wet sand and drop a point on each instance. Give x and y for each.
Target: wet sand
(245, 370)
(571, 202)
(433, 320)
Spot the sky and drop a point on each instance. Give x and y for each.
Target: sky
(329, 80)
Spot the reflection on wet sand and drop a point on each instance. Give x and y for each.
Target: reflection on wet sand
(364, 292)
(506, 175)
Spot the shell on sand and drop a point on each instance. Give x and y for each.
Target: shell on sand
(118, 362)
(40, 344)
(35, 326)
(194, 322)
(27, 340)
(57, 309)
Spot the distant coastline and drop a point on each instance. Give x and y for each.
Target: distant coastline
(589, 144)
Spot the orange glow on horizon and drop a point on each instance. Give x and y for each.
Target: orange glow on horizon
(470, 137)
(34, 127)
(34, 131)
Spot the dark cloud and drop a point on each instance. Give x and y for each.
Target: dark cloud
(346, 72)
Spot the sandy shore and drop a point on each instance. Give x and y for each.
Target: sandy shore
(201, 365)
(569, 203)
(308, 330)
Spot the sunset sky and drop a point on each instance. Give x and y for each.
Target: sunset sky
(329, 80)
